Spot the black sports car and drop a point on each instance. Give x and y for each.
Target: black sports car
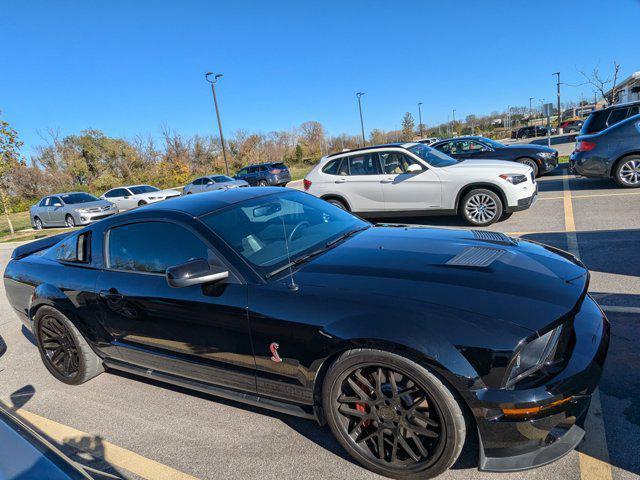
(404, 340)
(540, 158)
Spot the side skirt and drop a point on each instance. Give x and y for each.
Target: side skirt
(243, 397)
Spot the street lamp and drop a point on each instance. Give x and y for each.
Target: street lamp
(420, 117)
(359, 95)
(215, 102)
(453, 122)
(559, 115)
(530, 109)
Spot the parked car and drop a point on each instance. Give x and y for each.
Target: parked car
(404, 340)
(133, 196)
(572, 126)
(414, 179)
(610, 153)
(540, 158)
(429, 141)
(599, 120)
(532, 131)
(264, 174)
(69, 209)
(212, 182)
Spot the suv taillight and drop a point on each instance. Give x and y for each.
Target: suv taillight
(307, 184)
(583, 146)
(276, 171)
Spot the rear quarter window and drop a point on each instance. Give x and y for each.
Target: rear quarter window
(332, 167)
(596, 122)
(74, 249)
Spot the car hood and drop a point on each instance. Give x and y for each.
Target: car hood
(162, 193)
(87, 205)
(235, 183)
(527, 284)
(532, 147)
(502, 166)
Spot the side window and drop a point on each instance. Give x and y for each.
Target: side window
(76, 248)
(55, 202)
(117, 192)
(44, 202)
(634, 111)
(264, 168)
(445, 147)
(197, 181)
(110, 194)
(363, 165)
(331, 168)
(616, 116)
(243, 171)
(150, 247)
(475, 147)
(395, 162)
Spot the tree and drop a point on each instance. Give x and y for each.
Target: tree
(408, 127)
(607, 86)
(9, 156)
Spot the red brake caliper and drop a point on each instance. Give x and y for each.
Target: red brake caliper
(361, 406)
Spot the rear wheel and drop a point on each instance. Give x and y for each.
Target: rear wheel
(70, 221)
(627, 172)
(64, 351)
(262, 183)
(141, 203)
(337, 203)
(481, 207)
(392, 415)
(530, 163)
(37, 223)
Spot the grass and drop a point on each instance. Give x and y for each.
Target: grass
(299, 171)
(20, 221)
(32, 235)
(563, 159)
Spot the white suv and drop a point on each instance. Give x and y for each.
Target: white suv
(414, 179)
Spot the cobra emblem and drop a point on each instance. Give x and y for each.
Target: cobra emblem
(273, 347)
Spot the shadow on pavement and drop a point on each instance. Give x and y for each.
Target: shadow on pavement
(576, 184)
(3, 346)
(28, 335)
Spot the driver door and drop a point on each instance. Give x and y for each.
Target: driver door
(56, 212)
(408, 191)
(199, 331)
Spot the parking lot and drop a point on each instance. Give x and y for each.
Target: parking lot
(141, 429)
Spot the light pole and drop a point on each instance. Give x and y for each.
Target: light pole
(215, 102)
(420, 117)
(453, 122)
(559, 115)
(530, 110)
(359, 95)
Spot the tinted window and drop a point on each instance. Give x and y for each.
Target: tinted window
(257, 228)
(617, 115)
(366, 164)
(331, 168)
(72, 198)
(263, 168)
(197, 181)
(118, 192)
(279, 166)
(596, 122)
(634, 111)
(53, 201)
(153, 247)
(253, 169)
(75, 248)
(44, 202)
(142, 189)
(244, 171)
(222, 179)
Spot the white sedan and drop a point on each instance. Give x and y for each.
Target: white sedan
(414, 179)
(133, 196)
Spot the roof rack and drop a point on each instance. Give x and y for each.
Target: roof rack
(370, 147)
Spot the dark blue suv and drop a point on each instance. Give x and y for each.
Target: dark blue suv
(609, 145)
(264, 174)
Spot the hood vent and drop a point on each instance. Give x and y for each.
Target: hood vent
(496, 237)
(476, 257)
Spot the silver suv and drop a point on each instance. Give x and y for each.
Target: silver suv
(69, 209)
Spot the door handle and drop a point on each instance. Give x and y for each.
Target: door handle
(341, 180)
(111, 294)
(386, 180)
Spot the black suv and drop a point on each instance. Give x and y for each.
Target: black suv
(265, 174)
(609, 145)
(533, 131)
(540, 158)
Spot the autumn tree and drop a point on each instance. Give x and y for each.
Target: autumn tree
(408, 127)
(9, 161)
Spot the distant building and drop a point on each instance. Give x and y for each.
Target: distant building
(628, 90)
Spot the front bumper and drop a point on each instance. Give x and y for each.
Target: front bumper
(512, 444)
(548, 164)
(523, 203)
(87, 218)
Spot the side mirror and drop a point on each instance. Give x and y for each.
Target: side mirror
(57, 205)
(414, 168)
(195, 272)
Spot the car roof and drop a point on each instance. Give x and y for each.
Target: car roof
(373, 147)
(618, 105)
(207, 202)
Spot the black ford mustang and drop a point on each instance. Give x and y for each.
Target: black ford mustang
(404, 340)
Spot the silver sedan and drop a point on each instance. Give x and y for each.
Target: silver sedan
(212, 182)
(69, 209)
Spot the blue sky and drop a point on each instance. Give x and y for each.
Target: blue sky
(128, 68)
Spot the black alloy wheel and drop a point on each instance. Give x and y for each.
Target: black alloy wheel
(60, 348)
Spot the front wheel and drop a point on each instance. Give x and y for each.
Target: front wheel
(262, 183)
(530, 163)
(393, 415)
(37, 223)
(627, 172)
(70, 221)
(141, 203)
(481, 207)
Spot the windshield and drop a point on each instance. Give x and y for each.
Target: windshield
(491, 143)
(72, 198)
(222, 179)
(143, 189)
(433, 157)
(256, 229)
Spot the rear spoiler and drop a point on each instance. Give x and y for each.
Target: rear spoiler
(37, 246)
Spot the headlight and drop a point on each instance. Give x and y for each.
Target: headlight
(546, 154)
(533, 356)
(514, 178)
(82, 210)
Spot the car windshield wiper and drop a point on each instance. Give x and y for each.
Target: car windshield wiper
(294, 263)
(345, 235)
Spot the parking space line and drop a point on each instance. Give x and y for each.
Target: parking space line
(574, 197)
(593, 452)
(98, 448)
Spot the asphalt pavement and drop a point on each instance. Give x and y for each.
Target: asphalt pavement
(142, 429)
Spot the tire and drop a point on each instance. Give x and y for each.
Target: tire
(626, 173)
(384, 412)
(37, 223)
(88, 364)
(530, 163)
(262, 183)
(481, 207)
(70, 221)
(337, 203)
(141, 203)
(506, 216)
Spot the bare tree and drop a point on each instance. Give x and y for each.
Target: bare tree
(607, 86)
